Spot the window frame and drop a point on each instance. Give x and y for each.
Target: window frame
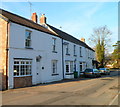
(54, 45)
(55, 67)
(80, 51)
(74, 50)
(24, 65)
(28, 39)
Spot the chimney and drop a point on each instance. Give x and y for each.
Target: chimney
(34, 17)
(82, 39)
(43, 19)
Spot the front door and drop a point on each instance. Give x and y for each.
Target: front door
(38, 72)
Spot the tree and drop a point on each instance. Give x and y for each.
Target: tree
(116, 55)
(101, 38)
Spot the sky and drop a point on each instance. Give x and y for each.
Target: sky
(76, 18)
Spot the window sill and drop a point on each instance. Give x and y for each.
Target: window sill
(69, 73)
(28, 48)
(54, 51)
(23, 76)
(54, 74)
(68, 54)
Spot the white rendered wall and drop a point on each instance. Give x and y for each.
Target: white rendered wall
(42, 45)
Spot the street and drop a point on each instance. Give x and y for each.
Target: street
(83, 91)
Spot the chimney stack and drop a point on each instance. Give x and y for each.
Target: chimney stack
(43, 19)
(34, 17)
(82, 39)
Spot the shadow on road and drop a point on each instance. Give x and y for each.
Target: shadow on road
(115, 73)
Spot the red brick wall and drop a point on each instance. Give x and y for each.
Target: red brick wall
(3, 41)
(22, 81)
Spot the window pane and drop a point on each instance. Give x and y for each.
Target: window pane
(28, 39)
(16, 70)
(67, 68)
(23, 67)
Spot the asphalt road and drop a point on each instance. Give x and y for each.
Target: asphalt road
(83, 91)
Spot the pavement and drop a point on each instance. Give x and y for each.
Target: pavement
(81, 91)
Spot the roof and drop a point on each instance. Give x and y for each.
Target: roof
(25, 22)
(68, 37)
(29, 23)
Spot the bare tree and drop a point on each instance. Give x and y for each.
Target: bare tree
(101, 39)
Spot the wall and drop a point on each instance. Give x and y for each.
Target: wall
(3, 41)
(87, 56)
(42, 45)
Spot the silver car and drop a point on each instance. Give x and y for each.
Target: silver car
(92, 73)
(104, 71)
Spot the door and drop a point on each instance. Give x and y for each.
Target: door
(38, 72)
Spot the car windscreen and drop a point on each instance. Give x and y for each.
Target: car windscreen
(88, 70)
(101, 68)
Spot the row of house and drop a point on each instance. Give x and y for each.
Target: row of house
(32, 53)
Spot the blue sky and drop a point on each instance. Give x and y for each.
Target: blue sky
(76, 18)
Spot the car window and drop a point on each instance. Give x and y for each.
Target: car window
(95, 70)
(101, 68)
(88, 70)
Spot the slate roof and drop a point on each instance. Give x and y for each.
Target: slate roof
(68, 37)
(25, 22)
(29, 23)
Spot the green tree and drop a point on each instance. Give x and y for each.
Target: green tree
(116, 55)
(101, 39)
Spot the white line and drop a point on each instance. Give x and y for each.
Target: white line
(114, 99)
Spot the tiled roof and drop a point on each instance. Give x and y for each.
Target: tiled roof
(25, 22)
(68, 37)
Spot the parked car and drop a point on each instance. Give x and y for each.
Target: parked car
(92, 73)
(104, 71)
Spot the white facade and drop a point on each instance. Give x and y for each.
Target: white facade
(41, 46)
(35, 56)
(80, 59)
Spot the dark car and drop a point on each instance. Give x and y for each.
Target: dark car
(104, 71)
(92, 73)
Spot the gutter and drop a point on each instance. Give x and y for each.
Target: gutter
(7, 50)
(62, 59)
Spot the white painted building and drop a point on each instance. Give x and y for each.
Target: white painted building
(37, 54)
(77, 55)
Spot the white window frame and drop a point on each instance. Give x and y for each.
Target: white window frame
(70, 66)
(54, 67)
(22, 64)
(28, 40)
(54, 44)
(80, 51)
(67, 49)
(74, 49)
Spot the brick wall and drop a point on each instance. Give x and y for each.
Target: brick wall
(3, 41)
(22, 81)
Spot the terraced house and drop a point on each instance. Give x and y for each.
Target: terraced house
(32, 53)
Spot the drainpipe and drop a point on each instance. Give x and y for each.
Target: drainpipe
(62, 59)
(7, 41)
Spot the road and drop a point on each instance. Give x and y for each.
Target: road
(83, 91)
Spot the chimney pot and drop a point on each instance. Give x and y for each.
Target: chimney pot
(82, 39)
(34, 17)
(43, 19)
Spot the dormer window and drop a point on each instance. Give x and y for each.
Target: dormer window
(28, 39)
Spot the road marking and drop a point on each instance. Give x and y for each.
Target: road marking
(114, 99)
